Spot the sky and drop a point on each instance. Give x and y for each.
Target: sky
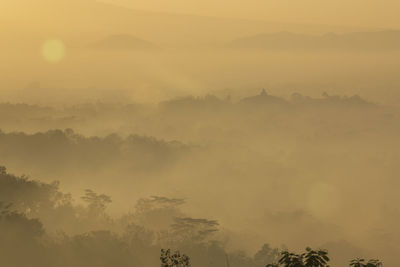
(365, 13)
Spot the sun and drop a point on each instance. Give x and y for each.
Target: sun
(53, 50)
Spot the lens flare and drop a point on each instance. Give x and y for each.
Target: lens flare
(53, 51)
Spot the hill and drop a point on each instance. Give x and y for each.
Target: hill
(88, 20)
(378, 40)
(123, 42)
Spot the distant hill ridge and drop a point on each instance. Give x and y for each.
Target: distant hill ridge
(378, 40)
(123, 42)
(97, 19)
(264, 100)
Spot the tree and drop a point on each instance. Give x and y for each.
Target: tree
(265, 255)
(315, 258)
(360, 263)
(95, 215)
(291, 259)
(311, 258)
(3, 170)
(156, 212)
(169, 259)
(16, 227)
(197, 230)
(97, 203)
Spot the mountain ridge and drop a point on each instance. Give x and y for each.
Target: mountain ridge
(368, 40)
(69, 17)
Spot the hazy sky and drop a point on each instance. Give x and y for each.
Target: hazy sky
(370, 13)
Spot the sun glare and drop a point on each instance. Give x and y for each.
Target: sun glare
(53, 51)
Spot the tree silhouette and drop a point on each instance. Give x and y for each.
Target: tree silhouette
(289, 259)
(361, 263)
(315, 258)
(310, 258)
(265, 255)
(192, 229)
(169, 259)
(96, 202)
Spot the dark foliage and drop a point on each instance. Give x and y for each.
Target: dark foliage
(169, 259)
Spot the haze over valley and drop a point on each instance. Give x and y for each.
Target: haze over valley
(231, 132)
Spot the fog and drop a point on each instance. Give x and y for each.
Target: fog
(127, 128)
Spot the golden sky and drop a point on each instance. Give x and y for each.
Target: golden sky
(366, 13)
